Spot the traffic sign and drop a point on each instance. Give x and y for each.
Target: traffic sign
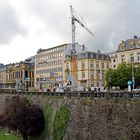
(27, 79)
(129, 82)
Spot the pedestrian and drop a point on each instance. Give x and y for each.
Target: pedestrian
(95, 89)
(98, 89)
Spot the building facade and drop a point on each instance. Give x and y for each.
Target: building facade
(2, 75)
(49, 66)
(21, 75)
(128, 51)
(91, 68)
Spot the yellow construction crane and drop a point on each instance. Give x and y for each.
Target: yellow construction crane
(75, 18)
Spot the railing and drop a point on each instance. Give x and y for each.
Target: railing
(117, 94)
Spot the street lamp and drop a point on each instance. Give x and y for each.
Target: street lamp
(133, 77)
(110, 80)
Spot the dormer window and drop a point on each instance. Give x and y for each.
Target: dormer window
(131, 58)
(122, 47)
(138, 56)
(122, 58)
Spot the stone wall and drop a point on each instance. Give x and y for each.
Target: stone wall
(94, 119)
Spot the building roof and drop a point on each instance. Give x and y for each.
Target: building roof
(30, 60)
(42, 50)
(129, 44)
(1, 65)
(93, 55)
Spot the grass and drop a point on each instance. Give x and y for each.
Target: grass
(8, 137)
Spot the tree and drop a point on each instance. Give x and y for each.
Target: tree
(124, 71)
(119, 76)
(23, 117)
(137, 75)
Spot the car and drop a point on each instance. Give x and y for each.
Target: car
(136, 89)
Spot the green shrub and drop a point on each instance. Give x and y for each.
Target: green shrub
(60, 122)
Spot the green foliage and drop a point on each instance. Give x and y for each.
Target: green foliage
(60, 122)
(137, 75)
(21, 116)
(48, 116)
(48, 125)
(8, 137)
(120, 76)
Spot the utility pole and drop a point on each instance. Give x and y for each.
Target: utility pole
(110, 82)
(133, 77)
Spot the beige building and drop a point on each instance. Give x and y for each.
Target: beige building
(49, 66)
(128, 51)
(91, 68)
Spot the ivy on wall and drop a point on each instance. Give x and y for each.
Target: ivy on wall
(60, 122)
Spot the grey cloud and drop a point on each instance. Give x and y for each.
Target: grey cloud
(119, 23)
(56, 15)
(9, 24)
(111, 21)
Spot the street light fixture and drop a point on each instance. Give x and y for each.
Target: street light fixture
(110, 80)
(133, 77)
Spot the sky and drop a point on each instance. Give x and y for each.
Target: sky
(28, 25)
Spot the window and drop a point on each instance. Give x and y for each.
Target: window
(67, 65)
(98, 74)
(102, 65)
(92, 77)
(83, 64)
(83, 74)
(98, 71)
(131, 46)
(37, 79)
(103, 74)
(122, 58)
(131, 58)
(138, 56)
(82, 55)
(107, 65)
(92, 73)
(91, 63)
(97, 65)
(122, 47)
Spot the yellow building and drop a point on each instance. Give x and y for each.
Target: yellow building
(128, 51)
(21, 75)
(91, 68)
(2, 75)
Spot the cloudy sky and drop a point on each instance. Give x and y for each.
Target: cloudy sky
(27, 25)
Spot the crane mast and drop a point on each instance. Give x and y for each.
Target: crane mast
(73, 30)
(74, 18)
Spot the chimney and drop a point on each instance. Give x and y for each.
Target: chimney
(83, 49)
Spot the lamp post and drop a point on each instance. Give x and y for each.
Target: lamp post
(133, 77)
(110, 81)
